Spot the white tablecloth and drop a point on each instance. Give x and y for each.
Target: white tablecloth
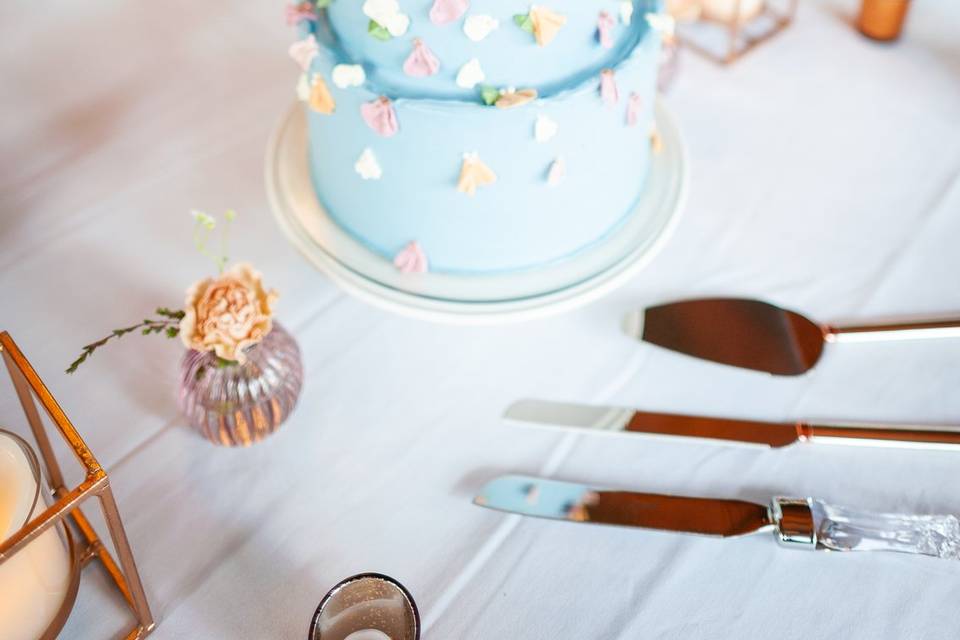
(824, 177)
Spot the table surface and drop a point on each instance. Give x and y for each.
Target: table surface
(824, 176)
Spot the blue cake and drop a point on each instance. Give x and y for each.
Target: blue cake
(478, 136)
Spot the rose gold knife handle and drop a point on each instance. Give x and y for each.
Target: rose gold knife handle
(902, 331)
(880, 436)
(807, 523)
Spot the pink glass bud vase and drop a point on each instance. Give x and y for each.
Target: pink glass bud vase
(240, 404)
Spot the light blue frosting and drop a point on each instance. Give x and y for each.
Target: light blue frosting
(520, 221)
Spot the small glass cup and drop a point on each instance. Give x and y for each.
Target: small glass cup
(367, 606)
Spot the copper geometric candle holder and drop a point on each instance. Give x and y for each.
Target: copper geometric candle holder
(84, 545)
(725, 41)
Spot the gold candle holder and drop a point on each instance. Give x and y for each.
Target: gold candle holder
(725, 30)
(882, 19)
(83, 542)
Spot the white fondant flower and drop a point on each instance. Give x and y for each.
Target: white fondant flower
(545, 128)
(662, 22)
(387, 14)
(367, 165)
(558, 169)
(626, 12)
(303, 88)
(304, 51)
(470, 74)
(348, 75)
(478, 27)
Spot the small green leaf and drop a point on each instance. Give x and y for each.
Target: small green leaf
(173, 332)
(524, 21)
(378, 31)
(489, 94)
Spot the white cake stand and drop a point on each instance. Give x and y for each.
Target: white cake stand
(475, 299)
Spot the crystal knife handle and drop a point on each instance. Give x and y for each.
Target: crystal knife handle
(814, 524)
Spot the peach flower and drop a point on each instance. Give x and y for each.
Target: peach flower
(228, 314)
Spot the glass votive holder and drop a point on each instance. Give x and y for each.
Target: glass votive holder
(367, 606)
(38, 583)
(724, 30)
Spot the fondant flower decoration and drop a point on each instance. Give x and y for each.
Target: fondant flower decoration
(304, 51)
(489, 95)
(545, 128)
(421, 62)
(542, 22)
(478, 27)
(386, 19)
(664, 23)
(411, 259)
(367, 165)
(470, 74)
(303, 87)
(626, 12)
(608, 88)
(473, 174)
(510, 98)
(605, 25)
(446, 11)
(321, 100)
(348, 75)
(556, 172)
(228, 314)
(656, 142)
(380, 116)
(302, 12)
(634, 104)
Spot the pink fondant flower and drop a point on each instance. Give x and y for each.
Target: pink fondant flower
(446, 11)
(605, 25)
(303, 11)
(304, 51)
(634, 104)
(608, 88)
(380, 116)
(411, 259)
(421, 61)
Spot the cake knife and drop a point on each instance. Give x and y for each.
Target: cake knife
(544, 413)
(799, 523)
(757, 335)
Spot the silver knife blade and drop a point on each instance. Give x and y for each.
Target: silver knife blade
(546, 413)
(556, 500)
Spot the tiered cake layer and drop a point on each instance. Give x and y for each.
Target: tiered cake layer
(388, 154)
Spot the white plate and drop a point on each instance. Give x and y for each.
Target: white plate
(477, 299)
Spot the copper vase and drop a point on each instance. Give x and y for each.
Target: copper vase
(883, 19)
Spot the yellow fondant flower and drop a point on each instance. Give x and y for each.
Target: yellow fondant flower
(474, 173)
(546, 24)
(321, 100)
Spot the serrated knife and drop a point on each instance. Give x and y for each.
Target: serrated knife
(802, 523)
(544, 413)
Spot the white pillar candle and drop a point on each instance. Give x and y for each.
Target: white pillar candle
(726, 10)
(34, 580)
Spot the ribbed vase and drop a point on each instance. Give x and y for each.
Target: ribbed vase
(240, 404)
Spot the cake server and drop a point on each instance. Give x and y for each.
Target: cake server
(544, 413)
(800, 523)
(757, 335)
